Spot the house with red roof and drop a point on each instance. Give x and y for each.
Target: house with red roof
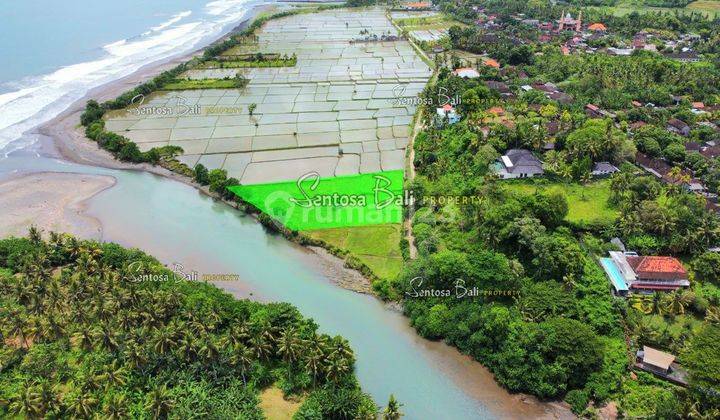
(658, 273)
(644, 274)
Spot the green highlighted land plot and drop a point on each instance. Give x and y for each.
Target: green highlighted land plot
(312, 202)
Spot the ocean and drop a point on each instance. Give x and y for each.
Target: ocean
(54, 52)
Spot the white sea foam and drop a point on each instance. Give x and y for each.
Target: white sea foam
(41, 98)
(175, 19)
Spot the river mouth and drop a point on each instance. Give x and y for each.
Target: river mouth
(180, 225)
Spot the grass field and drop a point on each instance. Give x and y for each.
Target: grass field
(586, 204)
(376, 246)
(314, 203)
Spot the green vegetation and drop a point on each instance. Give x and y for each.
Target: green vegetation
(250, 60)
(375, 246)
(587, 204)
(440, 21)
(541, 315)
(95, 330)
(321, 203)
(237, 82)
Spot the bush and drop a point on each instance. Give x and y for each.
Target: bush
(707, 267)
(578, 400)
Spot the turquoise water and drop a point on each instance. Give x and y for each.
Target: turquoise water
(614, 273)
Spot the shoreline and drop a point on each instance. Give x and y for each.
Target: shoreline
(63, 205)
(62, 137)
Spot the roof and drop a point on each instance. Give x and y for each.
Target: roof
(491, 63)
(597, 27)
(496, 110)
(499, 86)
(711, 152)
(637, 124)
(698, 105)
(592, 107)
(418, 5)
(680, 125)
(522, 161)
(466, 72)
(604, 167)
(692, 146)
(657, 358)
(660, 268)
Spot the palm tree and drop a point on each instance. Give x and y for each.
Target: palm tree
(114, 375)
(208, 351)
(159, 403)
(260, 346)
(336, 367)
(712, 315)
(104, 337)
(35, 235)
(675, 303)
(241, 358)
(642, 303)
(116, 407)
(27, 403)
(135, 355)
(20, 326)
(314, 363)
(289, 345)
(392, 411)
(81, 404)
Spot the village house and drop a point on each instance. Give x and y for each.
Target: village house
(597, 27)
(634, 126)
(660, 364)
(594, 111)
(684, 56)
(501, 88)
(466, 73)
(603, 169)
(417, 6)
(629, 272)
(518, 163)
(677, 126)
(711, 152)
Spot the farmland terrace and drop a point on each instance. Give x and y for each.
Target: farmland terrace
(343, 109)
